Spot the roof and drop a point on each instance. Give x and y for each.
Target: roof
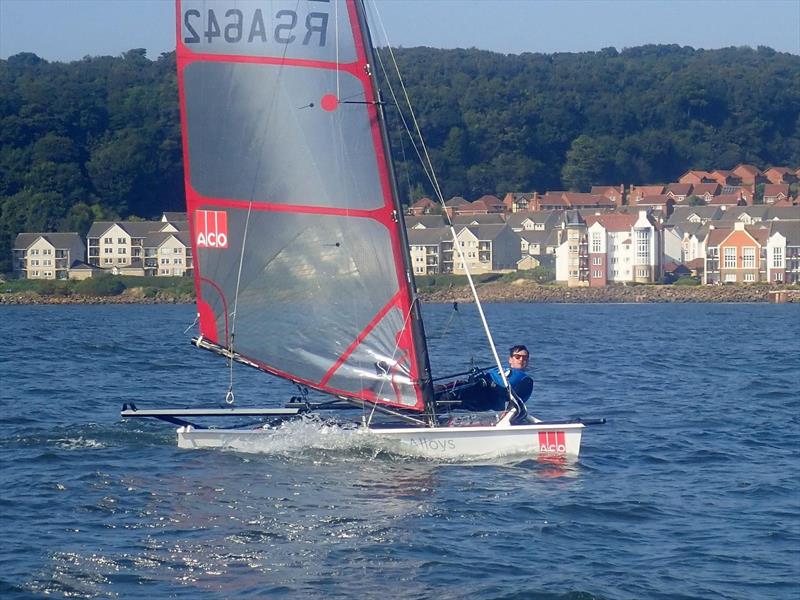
(456, 201)
(654, 200)
(489, 200)
(137, 229)
(485, 232)
(534, 237)
(613, 222)
(716, 236)
(725, 200)
(743, 170)
(788, 229)
(679, 189)
(427, 237)
(424, 220)
(487, 219)
(577, 199)
(423, 203)
(701, 189)
(57, 240)
(174, 216)
(154, 240)
(773, 189)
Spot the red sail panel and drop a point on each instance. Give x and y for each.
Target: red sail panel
(298, 252)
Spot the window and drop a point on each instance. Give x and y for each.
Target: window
(179, 250)
(730, 277)
(596, 241)
(121, 250)
(176, 261)
(108, 240)
(108, 250)
(641, 272)
(749, 277)
(615, 272)
(642, 246)
(730, 259)
(120, 261)
(121, 241)
(597, 274)
(748, 258)
(778, 277)
(47, 251)
(164, 261)
(572, 235)
(108, 261)
(777, 258)
(713, 252)
(597, 260)
(47, 262)
(35, 251)
(35, 263)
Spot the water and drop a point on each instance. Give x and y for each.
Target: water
(690, 491)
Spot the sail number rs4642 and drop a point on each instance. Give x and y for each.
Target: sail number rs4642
(235, 26)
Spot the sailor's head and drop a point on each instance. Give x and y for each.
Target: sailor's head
(518, 357)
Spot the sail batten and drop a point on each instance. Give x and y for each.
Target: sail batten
(292, 202)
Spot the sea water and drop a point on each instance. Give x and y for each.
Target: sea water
(689, 491)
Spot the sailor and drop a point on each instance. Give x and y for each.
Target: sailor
(487, 391)
(520, 382)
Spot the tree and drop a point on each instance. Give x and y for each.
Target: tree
(588, 162)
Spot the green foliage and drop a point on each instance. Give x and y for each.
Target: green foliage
(102, 285)
(100, 138)
(686, 280)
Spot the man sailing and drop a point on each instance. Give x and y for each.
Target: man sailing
(487, 391)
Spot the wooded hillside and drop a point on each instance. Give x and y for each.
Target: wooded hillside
(100, 138)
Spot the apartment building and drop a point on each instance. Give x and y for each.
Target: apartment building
(168, 254)
(425, 246)
(782, 256)
(610, 248)
(119, 246)
(47, 255)
(734, 255)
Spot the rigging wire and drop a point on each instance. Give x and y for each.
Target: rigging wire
(428, 166)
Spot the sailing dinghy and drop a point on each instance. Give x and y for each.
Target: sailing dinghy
(301, 261)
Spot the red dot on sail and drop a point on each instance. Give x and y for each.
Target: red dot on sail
(329, 102)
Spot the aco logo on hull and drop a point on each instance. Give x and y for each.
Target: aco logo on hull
(212, 229)
(552, 442)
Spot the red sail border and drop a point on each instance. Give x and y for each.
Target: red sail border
(384, 215)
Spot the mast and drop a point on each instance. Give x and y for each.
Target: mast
(417, 326)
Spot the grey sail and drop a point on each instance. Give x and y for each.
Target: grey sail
(299, 249)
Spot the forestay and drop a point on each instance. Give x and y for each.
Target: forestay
(299, 249)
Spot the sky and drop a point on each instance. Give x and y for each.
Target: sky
(66, 30)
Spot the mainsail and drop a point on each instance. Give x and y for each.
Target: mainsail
(300, 258)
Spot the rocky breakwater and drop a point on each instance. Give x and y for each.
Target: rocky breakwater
(129, 296)
(526, 291)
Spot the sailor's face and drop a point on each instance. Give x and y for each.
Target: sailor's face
(519, 360)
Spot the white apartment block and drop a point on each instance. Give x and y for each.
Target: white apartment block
(47, 255)
(616, 248)
(126, 247)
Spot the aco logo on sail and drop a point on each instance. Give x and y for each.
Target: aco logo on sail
(212, 229)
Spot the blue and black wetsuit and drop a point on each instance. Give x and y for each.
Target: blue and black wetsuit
(487, 391)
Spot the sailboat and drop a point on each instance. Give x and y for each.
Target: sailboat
(301, 261)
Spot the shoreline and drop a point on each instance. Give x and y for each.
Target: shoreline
(520, 291)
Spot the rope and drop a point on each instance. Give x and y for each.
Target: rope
(428, 166)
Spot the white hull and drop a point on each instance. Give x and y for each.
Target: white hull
(535, 440)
